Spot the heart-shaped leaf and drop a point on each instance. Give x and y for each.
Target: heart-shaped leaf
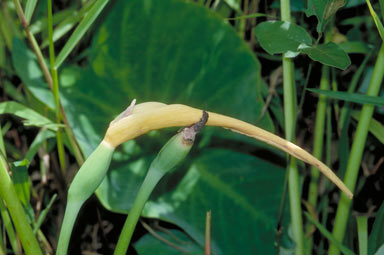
(281, 37)
(328, 54)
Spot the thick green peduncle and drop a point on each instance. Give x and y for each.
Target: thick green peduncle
(87, 179)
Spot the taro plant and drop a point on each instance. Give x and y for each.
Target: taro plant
(69, 67)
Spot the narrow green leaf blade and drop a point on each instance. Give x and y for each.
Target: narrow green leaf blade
(31, 117)
(328, 235)
(281, 37)
(60, 31)
(380, 251)
(253, 15)
(351, 97)
(234, 4)
(29, 9)
(80, 31)
(58, 17)
(362, 232)
(44, 213)
(21, 181)
(375, 127)
(376, 19)
(376, 237)
(41, 137)
(64, 25)
(328, 54)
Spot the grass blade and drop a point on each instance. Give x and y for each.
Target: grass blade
(65, 22)
(80, 31)
(376, 19)
(375, 127)
(9, 228)
(31, 117)
(43, 214)
(253, 15)
(376, 236)
(362, 231)
(29, 9)
(351, 97)
(328, 235)
(19, 218)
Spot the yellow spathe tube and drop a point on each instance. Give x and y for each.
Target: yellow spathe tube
(149, 116)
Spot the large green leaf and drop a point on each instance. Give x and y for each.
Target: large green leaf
(281, 37)
(243, 193)
(152, 56)
(143, 51)
(173, 52)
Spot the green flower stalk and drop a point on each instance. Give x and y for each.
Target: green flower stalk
(88, 178)
(86, 181)
(172, 154)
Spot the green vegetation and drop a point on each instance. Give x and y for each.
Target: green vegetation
(73, 162)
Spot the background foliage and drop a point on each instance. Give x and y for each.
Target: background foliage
(220, 56)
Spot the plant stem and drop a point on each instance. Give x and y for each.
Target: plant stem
(60, 145)
(34, 45)
(149, 183)
(207, 246)
(87, 179)
(290, 120)
(357, 153)
(293, 175)
(8, 193)
(317, 148)
(71, 212)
